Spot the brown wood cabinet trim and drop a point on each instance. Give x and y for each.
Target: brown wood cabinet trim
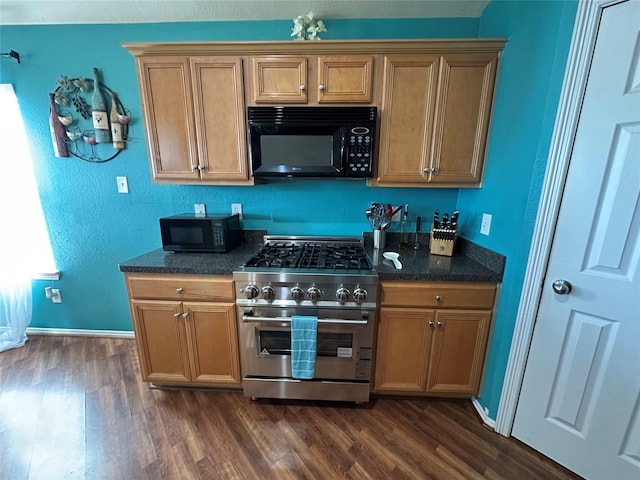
(309, 48)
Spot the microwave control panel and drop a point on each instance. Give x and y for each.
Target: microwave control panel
(359, 152)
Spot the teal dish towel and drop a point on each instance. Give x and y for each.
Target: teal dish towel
(304, 336)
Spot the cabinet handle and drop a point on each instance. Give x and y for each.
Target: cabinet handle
(321, 87)
(176, 315)
(439, 298)
(303, 87)
(179, 290)
(185, 315)
(440, 324)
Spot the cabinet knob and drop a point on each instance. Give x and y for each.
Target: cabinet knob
(200, 167)
(439, 298)
(185, 315)
(194, 168)
(179, 290)
(176, 315)
(427, 170)
(303, 87)
(431, 323)
(321, 87)
(435, 170)
(440, 324)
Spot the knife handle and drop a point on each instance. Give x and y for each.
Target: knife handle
(418, 224)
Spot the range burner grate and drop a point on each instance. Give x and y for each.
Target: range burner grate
(311, 255)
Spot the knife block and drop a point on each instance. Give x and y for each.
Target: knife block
(439, 246)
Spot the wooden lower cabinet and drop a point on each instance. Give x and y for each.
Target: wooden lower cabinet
(185, 342)
(433, 351)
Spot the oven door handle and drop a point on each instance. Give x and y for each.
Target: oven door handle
(251, 318)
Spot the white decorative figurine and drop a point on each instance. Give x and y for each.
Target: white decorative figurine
(306, 27)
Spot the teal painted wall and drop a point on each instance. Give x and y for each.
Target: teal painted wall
(93, 228)
(528, 91)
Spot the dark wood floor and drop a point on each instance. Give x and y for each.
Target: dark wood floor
(74, 408)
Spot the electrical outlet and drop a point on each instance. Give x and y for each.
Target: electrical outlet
(485, 226)
(236, 208)
(53, 294)
(123, 184)
(200, 209)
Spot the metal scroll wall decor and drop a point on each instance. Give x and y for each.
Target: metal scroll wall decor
(87, 120)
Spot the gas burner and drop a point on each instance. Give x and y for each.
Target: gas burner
(317, 254)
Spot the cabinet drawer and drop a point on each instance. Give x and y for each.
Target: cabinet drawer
(180, 287)
(438, 294)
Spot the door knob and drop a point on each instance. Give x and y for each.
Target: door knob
(561, 287)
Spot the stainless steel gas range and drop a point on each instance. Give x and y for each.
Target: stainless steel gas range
(330, 278)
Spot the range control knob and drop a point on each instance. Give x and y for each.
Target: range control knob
(314, 294)
(360, 295)
(297, 293)
(268, 293)
(343, 294)
(251, 291)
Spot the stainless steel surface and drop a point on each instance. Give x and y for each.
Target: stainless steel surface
(337, 321)
(343, 298)
(562, 287)
(305, 390)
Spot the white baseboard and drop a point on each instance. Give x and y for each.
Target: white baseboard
(483, 415)
(79, 333)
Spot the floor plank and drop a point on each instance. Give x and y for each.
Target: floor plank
(74, 407)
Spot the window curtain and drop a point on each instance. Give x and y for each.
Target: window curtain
(20, 205)
(15, 310)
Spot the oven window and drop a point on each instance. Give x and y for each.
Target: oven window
(330, 344)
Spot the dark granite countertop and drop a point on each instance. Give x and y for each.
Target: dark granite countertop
(469, 263)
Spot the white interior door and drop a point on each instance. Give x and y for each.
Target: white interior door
(580, 398)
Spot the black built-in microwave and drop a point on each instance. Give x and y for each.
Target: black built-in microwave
(200, 233)
(312, 141)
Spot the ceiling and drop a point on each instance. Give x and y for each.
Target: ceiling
(34, 12)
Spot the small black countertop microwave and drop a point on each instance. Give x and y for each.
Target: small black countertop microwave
(312, 141)
(200, 233)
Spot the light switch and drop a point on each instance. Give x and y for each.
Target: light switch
(123, 184)
(485, 226)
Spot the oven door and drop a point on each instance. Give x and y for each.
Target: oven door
(344, 343)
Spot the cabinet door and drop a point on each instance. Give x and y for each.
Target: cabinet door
(404, 340)
(161, 341)
(463, 111)
(167, 109)
(458, 351)
(279, 79)
(345, 79)
(220, 118)
(409, 98)
(213, 342)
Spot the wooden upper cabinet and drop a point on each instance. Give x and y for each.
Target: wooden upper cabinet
(290, 79)
(463, 111)
(194, 115)
(436, 111)
(434, 100)
(345, 79)
(220, 118)
(279, 79)
(167, 110)
(408, 105)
